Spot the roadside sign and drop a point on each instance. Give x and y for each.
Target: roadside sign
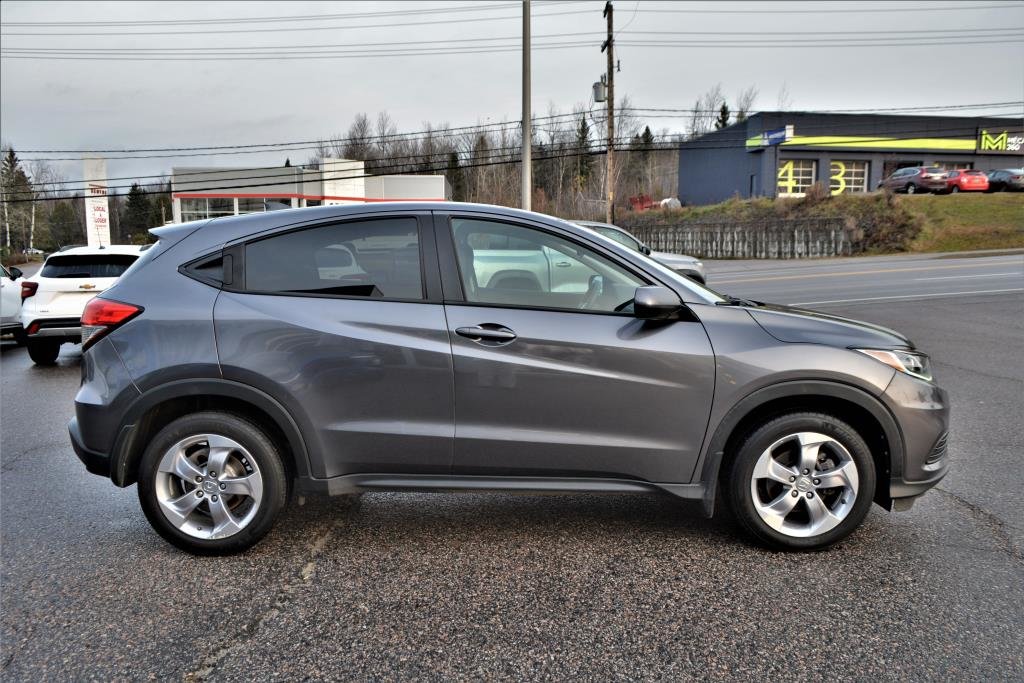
(97, 214)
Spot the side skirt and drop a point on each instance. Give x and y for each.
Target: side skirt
(354, 483)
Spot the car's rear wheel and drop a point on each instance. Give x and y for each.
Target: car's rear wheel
(43, 351)
(212, 483)
(802, 481)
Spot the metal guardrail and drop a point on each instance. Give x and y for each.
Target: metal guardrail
(771, 239)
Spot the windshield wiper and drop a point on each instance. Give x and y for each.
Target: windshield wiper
(731, 300)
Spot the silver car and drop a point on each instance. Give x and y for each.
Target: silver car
(682, 264)
(460, 347)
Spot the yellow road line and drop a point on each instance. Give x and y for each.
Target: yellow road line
(716, 281)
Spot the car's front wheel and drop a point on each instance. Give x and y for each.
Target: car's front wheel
(212, 483)
(802, 481)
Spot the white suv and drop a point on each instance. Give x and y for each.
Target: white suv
(10, 302)
(53, 299)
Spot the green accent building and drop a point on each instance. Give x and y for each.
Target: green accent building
(779, 154)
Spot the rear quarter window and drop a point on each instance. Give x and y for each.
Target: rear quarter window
(87, 265)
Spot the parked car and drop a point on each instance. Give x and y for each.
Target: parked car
(966, 180)
(684, 265)
(10, 303)
(226, 369)
(916, 179)
(1006, 180)
(53, 299)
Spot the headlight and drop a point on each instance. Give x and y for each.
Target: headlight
(914, 364)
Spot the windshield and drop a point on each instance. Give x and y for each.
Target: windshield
(87, 265)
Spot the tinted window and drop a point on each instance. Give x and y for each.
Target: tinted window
(502, 263)
(87, 265)
(378, 258)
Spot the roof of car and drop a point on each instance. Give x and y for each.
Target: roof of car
(133, 249)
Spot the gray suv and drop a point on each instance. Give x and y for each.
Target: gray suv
(415, 346)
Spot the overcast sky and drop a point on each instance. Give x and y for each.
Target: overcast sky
(84, 104)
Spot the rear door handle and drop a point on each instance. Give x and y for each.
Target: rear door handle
(488, 332)
(562, 264)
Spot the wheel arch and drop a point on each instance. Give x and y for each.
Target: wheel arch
(861, 410)
(160, 406)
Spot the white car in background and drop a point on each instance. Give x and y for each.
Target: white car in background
(682, 264)
(53, 299)
(10, 303)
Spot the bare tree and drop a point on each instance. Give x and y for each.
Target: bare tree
(745, 102)
(705, 109)
(785, 100)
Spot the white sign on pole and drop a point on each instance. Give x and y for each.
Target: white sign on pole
(97, 213)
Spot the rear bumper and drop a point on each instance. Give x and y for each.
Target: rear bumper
(94, 461)
(68, 328)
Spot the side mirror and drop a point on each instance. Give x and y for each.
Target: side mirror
(645, 250)
(16, 273)
(655, 303)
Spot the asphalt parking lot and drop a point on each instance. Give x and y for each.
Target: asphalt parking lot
(472, 586)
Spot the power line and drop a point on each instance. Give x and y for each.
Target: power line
(281, 29)
(442, 132)
(229, 48)
(278, 19)
(860, 10)
(452, 131)
(293, 56)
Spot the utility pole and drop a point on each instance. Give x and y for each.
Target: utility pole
(609, 47)
(527, 133)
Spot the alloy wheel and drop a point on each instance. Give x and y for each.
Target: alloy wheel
(208, 486)
(804, 484)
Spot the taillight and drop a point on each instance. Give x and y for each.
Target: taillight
(28, 289)
(101, 316)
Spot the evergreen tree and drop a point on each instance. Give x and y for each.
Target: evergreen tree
(723, 117)
(456, 178)
(64, 226)
(17, 214)
(138, 213)
(584, 162)
(287, 162)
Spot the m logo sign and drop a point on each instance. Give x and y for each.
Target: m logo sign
(1004, 142)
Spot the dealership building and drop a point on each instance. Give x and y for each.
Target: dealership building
(204, 192)
(780, 154)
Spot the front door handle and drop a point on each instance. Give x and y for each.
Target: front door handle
(487, 332)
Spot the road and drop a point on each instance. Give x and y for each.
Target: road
(439, 586)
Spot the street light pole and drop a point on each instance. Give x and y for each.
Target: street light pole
(527, 133)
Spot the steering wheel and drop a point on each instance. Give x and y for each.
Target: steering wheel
(595, 288)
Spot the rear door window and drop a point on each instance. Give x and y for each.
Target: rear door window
(377, 258)
(87, 265)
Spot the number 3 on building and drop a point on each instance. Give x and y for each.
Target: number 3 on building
(838, 177)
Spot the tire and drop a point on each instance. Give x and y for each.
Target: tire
(43, 351)
(761, 496)
(954, 190)
(176, 475)
(911, 188)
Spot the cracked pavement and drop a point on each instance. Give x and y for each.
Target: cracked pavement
(447, 586)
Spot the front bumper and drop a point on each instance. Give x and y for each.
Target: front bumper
(922, 411)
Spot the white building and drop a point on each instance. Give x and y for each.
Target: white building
(205, 192)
